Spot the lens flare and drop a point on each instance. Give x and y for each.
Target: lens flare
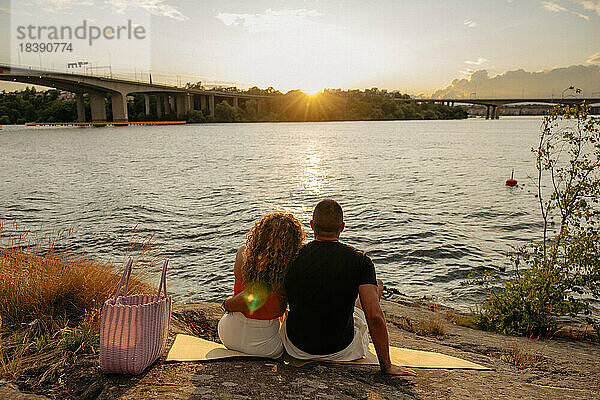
(256, 296)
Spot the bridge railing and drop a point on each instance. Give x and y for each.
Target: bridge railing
(141, 76)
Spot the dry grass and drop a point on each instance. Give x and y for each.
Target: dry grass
(469, 321)
(42, 284)
(520, 356)
(432, 326)
(50, 302)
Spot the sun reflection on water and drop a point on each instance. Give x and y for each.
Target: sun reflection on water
(313, 177)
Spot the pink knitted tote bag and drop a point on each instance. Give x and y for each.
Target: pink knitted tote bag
(134, 329)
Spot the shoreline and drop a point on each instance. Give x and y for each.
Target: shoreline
(164, 123)
(532, 368)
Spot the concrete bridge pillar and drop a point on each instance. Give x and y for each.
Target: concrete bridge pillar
(172, 103)
(495, 113)
(236, 102)
(119, 107)
(98, 107)
(183, 104)
(487, 113)
(147, 103)
(180, 104)
(211, 105)
(159, 112)
(166, 103)
(80, 107)
(189, 102)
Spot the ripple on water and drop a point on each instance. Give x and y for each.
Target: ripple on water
(425, 199)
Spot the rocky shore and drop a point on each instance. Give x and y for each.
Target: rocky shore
(521, 368)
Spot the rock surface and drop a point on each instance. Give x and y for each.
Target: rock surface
(11, 391)
(559, 369)
(550, 369)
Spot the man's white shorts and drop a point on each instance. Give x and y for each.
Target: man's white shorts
(358, 348)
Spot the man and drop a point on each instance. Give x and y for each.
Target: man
(333, 297)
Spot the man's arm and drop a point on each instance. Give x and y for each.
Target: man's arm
(369, 299)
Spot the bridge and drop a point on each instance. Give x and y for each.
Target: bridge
(180, 100)
(167, 98)
(494, 104)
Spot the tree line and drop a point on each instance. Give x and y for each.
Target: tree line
(334, 105)
(374, 104)
(31, 105)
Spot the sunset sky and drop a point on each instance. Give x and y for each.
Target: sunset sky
(411, 46)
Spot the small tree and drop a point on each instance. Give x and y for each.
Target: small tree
(560, 275)
(194, 117)
(224, 112)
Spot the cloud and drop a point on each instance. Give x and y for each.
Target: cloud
(550, 6)
(520, 83)
(479, 61)
(48, 6)
(594, 59)
(57, 5)
(554, 7)
(154, 7)
(271, 20)
(593, 5)
(470, 23)
(466, 73)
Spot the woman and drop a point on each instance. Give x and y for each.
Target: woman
(251, 321)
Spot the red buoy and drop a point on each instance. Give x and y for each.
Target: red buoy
(511, 182)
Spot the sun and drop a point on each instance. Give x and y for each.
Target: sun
(312, 91)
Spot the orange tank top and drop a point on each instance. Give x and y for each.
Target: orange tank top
(270, 310)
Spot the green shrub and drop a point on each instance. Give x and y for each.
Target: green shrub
(194, 116)
(558, 276)
(224, 112)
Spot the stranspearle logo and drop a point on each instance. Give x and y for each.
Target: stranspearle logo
(84, 31)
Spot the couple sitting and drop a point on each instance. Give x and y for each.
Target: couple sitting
(330, 287)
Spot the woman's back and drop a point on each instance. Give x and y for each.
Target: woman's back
(273, 308)
(251, 321)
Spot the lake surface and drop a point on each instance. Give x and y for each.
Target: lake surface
(425, 199)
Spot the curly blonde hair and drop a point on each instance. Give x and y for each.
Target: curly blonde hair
(271, 245)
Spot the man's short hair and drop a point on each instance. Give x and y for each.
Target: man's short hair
(328, 216)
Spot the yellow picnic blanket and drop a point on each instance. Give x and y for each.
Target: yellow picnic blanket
(191, 348)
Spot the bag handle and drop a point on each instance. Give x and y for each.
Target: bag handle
(126, 271)
(163, 279)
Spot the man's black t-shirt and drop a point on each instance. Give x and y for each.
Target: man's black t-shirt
(321, 288)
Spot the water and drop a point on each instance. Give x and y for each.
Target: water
(425, 199)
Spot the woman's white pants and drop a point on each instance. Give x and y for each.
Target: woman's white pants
(256, 337)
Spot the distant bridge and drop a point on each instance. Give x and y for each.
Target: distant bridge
(168, 98)
(493, 104)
